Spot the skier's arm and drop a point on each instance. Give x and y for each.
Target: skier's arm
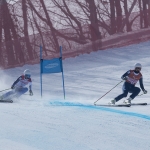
(124, 76)
(16, 82)
(30, 85)
(30, 88)
(141, 83)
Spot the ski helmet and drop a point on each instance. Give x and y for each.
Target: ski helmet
(138, 65)
(27, 73)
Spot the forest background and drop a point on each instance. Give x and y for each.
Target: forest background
(79, 26)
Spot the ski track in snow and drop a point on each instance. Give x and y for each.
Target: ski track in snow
(58, 103)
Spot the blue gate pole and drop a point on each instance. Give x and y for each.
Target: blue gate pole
(41, 67)
(62, 72)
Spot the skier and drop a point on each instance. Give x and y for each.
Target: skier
(18, 87)
(131, 77)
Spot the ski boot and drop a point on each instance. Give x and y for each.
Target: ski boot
(112, 102)
(128, 101)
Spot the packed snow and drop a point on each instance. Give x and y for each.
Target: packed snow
(52, 123)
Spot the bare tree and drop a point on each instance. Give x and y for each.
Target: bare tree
(7, 24)
(127, 16)
(95, 33)
(118, 15)
(26, 34)
(128, 26)
(112, 16)
(145, 13)
(149, 12)
(1, 58)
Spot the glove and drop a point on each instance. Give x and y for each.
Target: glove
(12, 87)
(124, 78)
(144, 91)
(30, 93)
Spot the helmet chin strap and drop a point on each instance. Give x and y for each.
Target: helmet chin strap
(136, 71)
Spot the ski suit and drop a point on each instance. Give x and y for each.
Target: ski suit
(18, 88)
(129, 85)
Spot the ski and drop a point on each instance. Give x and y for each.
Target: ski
(138, 103)
(6, 101)
(118, 105)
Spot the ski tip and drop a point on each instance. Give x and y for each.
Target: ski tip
(144, 104)
(139, 104)
(108, 105)
(6, 101)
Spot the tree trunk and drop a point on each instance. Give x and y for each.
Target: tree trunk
(41, 36)
(141, 14)
(7, 33)
(1, 56)
(95, 33)
(119, 14)
(126, 14)
(112, 17)
(26, 34)
(55, 40)
(149, 12)
(78, 29)
(145, 14)
(19, 57)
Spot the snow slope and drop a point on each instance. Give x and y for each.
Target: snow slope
(52, 123)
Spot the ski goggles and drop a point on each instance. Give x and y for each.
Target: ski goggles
(27, 76)
(138, 68)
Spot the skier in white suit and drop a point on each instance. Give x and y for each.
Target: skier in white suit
(18, 87)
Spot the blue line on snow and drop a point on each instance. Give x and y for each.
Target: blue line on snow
(58, 103)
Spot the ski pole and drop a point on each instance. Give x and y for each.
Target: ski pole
(107, 92)
(5, 90)
(141, 94)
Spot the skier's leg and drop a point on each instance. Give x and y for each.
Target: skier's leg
(124, 94)
(21, 92)
(135, 92)
(7, 95)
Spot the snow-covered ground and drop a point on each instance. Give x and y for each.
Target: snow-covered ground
(52, 123)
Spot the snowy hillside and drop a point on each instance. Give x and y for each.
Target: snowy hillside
(52, 123)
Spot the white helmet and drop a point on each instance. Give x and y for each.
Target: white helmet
(27, 73)
(138, 65)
